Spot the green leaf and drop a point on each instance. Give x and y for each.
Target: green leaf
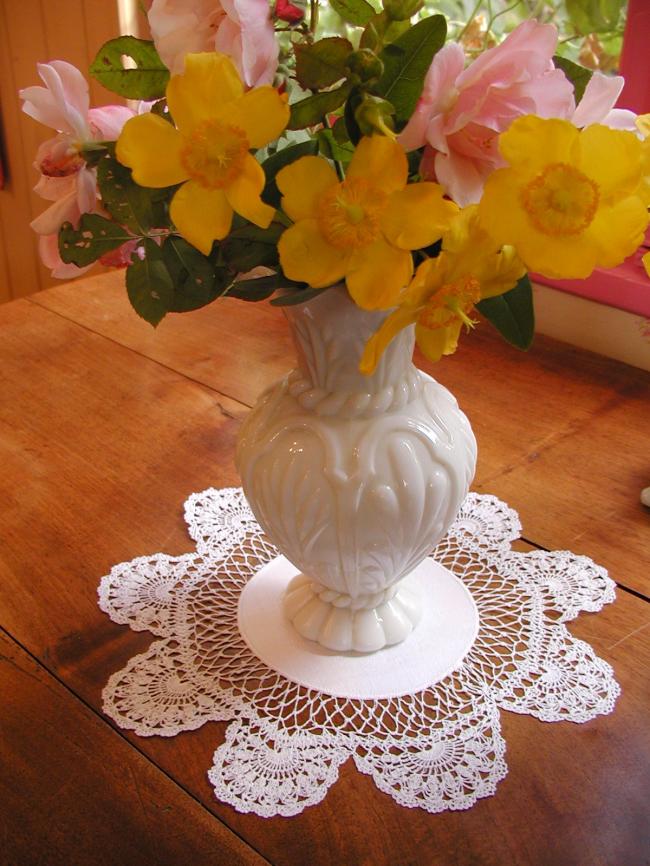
(594, 16)
(331, 148)
(94, 237)
(577, 75)
(195, 279)
(258, 289)
(149, 285)
(271, 194)
(512, 314)
(297, 297)
(249, 247)
(406, 63)
(322, 63)
(310, 111)
(137, 207)
(147, 81)
(353, 11)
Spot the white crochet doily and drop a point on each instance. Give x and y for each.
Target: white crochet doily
(440, 748)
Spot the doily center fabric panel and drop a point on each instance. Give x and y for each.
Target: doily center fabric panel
(440, 748)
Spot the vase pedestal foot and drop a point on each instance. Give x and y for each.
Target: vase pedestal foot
(343, 623)
(437, 644)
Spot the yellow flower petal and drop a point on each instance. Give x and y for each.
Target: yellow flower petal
(381, 161)
(201, 215)
(436, 342)
(210, 79)
(612, 158)
(150, 146)
(378, 274)
(305, 255)
(499, 272)
(646, 258)
(243, 194)
(376, 345)
(417, 216)
(530, 143)
(302, 183)
(262, 113)
(619, 231)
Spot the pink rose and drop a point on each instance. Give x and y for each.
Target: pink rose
(462, 111)
(242, 29)
(65, 178)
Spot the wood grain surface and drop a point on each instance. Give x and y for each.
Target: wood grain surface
(563, 433)
(107, 426)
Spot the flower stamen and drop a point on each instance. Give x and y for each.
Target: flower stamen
(349, 213)
(213, 155)
(561, 200)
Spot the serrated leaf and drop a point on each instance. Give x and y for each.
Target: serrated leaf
(271, 194)
(512, 314)
(312, 110)
(147, 81)
(94, 237)
(577, 75)
(353, 11)
(196, 280)
(322, 63)
(137, 207)
(149, 285)
(407, 61)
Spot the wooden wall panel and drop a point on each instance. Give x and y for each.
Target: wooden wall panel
(33, 31)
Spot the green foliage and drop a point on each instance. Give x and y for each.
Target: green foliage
(138, 208)
(147, 81)
(249, 247)
(577, 75)
(512, 314)
(271, 194)
(330, 147)
(353, 11)
(406, 62)
(312, 110)
(94, 237)
(323, 63)
(594, 16)
(254, 290)
(196, 280)
(149, 285)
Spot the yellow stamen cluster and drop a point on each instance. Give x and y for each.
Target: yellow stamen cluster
(213, 154)
(349, 213)
(561, 200)
(454, 299)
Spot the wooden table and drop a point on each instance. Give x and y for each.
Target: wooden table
(106, 426)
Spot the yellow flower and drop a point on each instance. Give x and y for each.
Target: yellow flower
(361, 228)
(444, 290)
(216, 126)
(571, 200)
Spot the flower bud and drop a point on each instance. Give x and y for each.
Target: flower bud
(374, 114)
(364, 65)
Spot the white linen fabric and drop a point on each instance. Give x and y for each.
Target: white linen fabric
(439, 748)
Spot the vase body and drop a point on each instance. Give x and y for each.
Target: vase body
(355, 478)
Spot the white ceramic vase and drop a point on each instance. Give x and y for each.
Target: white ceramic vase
(355, 478)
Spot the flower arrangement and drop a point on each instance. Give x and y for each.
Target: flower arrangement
(264, 160)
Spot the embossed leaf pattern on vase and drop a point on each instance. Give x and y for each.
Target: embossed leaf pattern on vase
(353, 477)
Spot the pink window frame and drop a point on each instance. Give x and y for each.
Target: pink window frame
(626, 287)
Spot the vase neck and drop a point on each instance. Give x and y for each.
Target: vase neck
(330, 333)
